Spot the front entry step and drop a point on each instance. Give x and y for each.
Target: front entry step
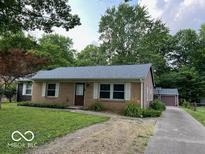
(75, 107)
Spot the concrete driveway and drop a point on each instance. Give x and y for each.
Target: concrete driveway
(177, 133)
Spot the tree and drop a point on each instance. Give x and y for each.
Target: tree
(154, 47)
(186, 45)
(26, 15)
(91, 55)
(17, 63)
(186, 79)
(17, 40)
(199, 57)
(130, 36)
(10, 92)
(58, 49)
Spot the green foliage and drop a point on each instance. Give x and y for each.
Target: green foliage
(186, 104)
(187, 80)
(157, 105)
(91, 56)
(186, 45)
(1, 91)
(43, 105)
(130, 36)
(58, 49)
(10, 91)
(186, 57)
(30, 15)
(133, 110)
(17, 40)
(46, 124)
(151, 113)
(97, 107)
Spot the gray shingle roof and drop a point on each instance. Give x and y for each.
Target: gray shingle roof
(166, 91)
(96, 72)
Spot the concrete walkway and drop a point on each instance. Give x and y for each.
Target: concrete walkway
(177, 133)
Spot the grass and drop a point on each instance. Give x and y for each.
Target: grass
(199, 114)
(46, 124)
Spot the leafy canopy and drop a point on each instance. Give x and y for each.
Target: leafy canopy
(58, 48)
(26, 15)
(91, 55)
(17, 63)
(130, 36)
(17, 40)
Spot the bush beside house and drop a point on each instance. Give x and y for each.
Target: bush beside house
(155, 110)
(157, 105)
(45, 105)
(97, 107)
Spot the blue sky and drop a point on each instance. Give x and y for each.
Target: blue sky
(177, 14)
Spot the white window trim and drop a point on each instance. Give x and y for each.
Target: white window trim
(25, 88)
(45, 86)
(112, 91)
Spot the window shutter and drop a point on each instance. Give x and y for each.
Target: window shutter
(127, 91)
(95, 91)
(24, 89)
(44, 89)
(57, 89)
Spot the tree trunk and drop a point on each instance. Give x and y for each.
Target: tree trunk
(10, 99)
(195, 105)
(0, 101)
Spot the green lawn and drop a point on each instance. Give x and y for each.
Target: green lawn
(46, 124)
(198, 115)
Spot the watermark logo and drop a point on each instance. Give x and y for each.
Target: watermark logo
(16, 139)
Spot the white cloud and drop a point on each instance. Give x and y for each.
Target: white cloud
(177, 14)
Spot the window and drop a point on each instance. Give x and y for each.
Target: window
(118, 92)
(28, 89)
(105, 91)
(51, 89)
(112, 91)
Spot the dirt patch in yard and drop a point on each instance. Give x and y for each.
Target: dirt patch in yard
(118, 135)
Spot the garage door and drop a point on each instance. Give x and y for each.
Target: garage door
(169, 100)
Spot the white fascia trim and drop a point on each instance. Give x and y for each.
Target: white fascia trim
(142, 93)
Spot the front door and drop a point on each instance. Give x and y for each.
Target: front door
(79, 94)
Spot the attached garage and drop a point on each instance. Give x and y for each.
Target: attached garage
(167, 95)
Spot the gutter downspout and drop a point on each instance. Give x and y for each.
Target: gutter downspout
(142, 93)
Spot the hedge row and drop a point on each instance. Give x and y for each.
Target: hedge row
(44, 105)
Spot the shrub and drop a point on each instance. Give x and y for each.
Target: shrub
(133, 110)
(97, 107)
(45, 105)
(157, 105)
(10, 92)
(186, 104)
(151, 113)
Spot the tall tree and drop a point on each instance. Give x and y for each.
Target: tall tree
(91, 55)
(18, 15)
(17, 63)
(130, 36)
(186, 79)
(186, 45)
(186, 56)
(58, 49)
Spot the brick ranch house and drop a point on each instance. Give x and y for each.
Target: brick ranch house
(113, 86)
